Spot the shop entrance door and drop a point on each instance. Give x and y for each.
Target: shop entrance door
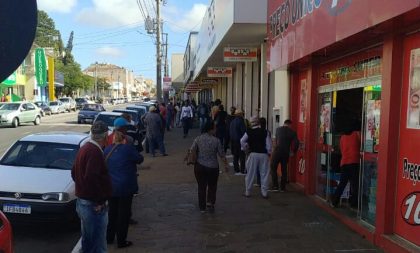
(369, 153)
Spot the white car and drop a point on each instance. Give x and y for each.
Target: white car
(57, 107)
(35, 177)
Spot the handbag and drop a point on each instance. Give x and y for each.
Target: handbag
(191, 157)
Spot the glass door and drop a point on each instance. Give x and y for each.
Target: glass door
(324, 144)
(369, 153)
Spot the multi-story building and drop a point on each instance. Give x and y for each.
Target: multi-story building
(120, 78)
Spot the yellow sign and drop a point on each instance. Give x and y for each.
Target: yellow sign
(51, 78)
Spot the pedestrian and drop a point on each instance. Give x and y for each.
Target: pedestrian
(178, 115)
(186, 117)
(93, 189)
(215, 108)
(263, 124)
(121, 125)
(203, 115)
(170, 112)
(122, 160)
(349, 164)
(258, 142)
(206, 169)
(154, 131)
(220, 122)
(236, 131)
(229, 120)
(286, 143)
(163, 113)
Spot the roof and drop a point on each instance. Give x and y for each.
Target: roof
(57, 137)
(124, 110)
(110, 113)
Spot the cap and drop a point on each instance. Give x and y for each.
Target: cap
(152, 108)
(255, 121)
(99, 127)
(120, 122)
(238, 112)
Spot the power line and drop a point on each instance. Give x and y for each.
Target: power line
(108, 30)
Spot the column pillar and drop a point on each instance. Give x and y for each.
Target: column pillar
(229, 102)
(264, 96)
(238, 86)
(247, 89)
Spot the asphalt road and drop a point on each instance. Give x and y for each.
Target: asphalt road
(44, 238)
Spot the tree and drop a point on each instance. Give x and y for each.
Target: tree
(103, 84)
(46, 34)
(74, 78)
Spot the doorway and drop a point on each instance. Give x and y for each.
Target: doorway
(337, 110)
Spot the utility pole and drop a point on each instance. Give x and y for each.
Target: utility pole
(96, 81)
(166, 68)
(158, 54)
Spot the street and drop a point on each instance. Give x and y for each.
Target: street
(44, 237)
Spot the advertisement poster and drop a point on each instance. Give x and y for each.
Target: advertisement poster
(373, 120)
(413, 110)
(302, 104)
(325, 118)
(219, 72)
(240, 54)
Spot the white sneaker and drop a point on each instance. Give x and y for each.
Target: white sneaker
(238, 174)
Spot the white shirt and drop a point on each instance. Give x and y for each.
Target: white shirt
(187, 112)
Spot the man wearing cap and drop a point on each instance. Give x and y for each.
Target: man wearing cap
(154, 131)
(93, 189)
(237, 129)
(258, 142)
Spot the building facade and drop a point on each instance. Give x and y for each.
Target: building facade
(335, 70)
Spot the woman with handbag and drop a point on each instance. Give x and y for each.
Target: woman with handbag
(206, 148)
(122, 160)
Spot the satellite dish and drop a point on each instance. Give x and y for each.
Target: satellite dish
(18, 21)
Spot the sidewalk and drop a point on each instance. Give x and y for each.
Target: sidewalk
(169, 220)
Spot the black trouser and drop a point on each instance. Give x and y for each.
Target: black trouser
(207, 184)
(186, 123)
(118, 218)
(276, 159)
(349, 172)
(238, 156)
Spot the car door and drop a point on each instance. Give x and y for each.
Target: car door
(25, 114)
(32, 112)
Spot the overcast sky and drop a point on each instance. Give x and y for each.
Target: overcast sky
(112, 31)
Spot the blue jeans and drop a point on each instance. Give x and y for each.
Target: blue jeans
(94, 225)
(156, 142)
(203, 121)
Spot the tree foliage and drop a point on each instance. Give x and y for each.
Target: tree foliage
(48, 36)
(103, 84)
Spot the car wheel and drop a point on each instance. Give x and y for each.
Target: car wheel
(49, 113)
(42, 114)
(37, 121)
(15, 122)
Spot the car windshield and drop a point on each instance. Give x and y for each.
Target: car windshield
(80, 100)
(134, 115)
(107, 119)
(53, 103)
(64, 100)
(11, 107)
(140, 110)
(91, 107)
(41, 155)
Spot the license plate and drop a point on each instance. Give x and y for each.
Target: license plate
(17, 208)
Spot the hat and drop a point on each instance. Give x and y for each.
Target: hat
(152, 108)
(99, 127)
(120, 122)
(255, 121)
(239, 112)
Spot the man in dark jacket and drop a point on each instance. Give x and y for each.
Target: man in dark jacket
(286, 141)
(93, 189)
(229, 120)
(236, 132)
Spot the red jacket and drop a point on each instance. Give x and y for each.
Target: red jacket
(350, 148)
(90, 174)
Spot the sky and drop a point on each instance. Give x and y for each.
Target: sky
(112, 31)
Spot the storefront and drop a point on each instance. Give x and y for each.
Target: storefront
(363, 75)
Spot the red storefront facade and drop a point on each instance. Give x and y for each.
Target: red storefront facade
(355, 61)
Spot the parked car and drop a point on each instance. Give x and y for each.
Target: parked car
(144, 105)
(108, 118)
(57, 107)
(69, 104)
(80, 102)
(35, 172)
(45, 109)
(6, 235)
(15, 113)
(135, 116)
(89, 112)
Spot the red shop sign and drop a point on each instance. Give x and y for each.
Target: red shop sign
(297, 28)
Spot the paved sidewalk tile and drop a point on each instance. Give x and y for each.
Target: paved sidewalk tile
(169, 219)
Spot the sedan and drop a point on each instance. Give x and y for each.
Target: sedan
(6, 235)
(36, 182)
(108, 118)
(13, 114)
(57, 107)
(89, 112)
(45, 109)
